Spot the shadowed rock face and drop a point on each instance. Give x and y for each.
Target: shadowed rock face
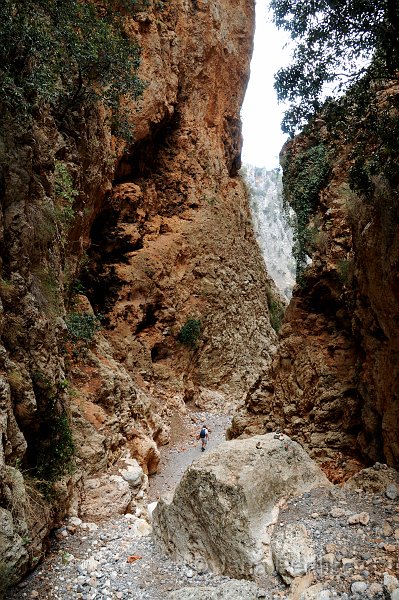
(334, 380)
(225, 507)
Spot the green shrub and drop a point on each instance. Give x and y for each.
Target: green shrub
(55, 458)
(344, 270)
(65, 54)
(190, 333)
(64, 191)
(82, 326)
(276, 310)
(304, 177)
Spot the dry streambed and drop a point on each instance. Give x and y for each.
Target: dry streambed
(353, 531)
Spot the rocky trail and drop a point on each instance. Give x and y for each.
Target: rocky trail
(354, 531)
(116, 559)
(184, 448)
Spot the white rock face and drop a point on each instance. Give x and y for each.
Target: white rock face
(316, 592)
(273, 233)
(293, 552)
(13, 552)
(133, 474)
(224, 509)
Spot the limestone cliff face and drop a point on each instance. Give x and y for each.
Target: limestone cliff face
(174, 240)
(271, 225)
(333, 383)
(158, 233)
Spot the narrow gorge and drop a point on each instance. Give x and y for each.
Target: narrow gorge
(135, 298)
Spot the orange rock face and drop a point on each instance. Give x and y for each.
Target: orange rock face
(333, 383)
(174, 240)
(163, 231)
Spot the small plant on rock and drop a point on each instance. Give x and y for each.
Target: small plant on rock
(190, 333)
(82, 326)
(276, 310)
(304, 177)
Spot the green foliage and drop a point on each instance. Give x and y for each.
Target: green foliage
(55, 459)
(276, 310)
(190, 333)
(335, 42)
(64, 191)
(50, 294)
(344, 270)
(82, 326)
(366, 120)
(50, 445)
(63, 183)
(64, 54)
(304, 177)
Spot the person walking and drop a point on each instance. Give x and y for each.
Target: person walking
(204, 437)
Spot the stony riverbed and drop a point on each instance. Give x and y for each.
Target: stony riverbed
(354, 531)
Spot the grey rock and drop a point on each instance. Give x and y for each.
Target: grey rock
(232, 590)
(133, 474)
(391, 491)
(293, 552)
(231, 495)
(105, 496)
(358, 587)
(390, 582)
(316, 592)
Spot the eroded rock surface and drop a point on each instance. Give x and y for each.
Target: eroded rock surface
(225, 507)
(233, 590)
(158, 232)
(333, 383)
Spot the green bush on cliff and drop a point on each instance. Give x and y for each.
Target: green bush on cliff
(190, 333)
(276, 310)
(82, 326)
(66, 193)
(51, 449)
(65, 54)
(56, 459)
(304, 177)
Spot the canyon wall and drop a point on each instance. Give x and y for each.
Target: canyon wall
(155, 236)
(271, 221)
(333, 383)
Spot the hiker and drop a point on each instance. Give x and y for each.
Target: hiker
(204, 437)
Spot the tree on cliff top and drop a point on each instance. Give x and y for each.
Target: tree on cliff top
(336, 40)
(63, 53)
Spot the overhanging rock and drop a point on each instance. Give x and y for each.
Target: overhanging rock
(224, 509)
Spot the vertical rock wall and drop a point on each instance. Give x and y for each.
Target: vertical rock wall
(333, 383)
(164, 233)
(177, 231)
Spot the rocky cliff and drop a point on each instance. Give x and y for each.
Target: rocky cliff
(333, 383)
(271, 222)
(157, 237)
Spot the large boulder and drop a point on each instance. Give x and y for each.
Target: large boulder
(105, 497)
(224, 509)
(231, 590)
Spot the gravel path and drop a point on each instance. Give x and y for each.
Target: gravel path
(355, 536)
(113, 560)
(184, 448)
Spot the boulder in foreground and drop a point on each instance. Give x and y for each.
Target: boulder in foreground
(225, 507)
(231, 590)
